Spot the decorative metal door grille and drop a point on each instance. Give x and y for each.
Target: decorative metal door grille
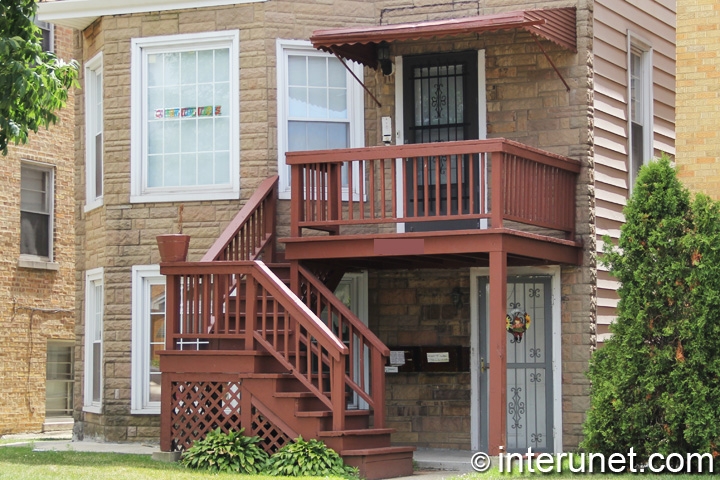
(440, 105)
(529, 368)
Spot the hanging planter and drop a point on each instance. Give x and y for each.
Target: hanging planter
(173, 247)
(517, 323)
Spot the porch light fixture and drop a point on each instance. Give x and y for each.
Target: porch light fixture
(383, 56)
(457, 297)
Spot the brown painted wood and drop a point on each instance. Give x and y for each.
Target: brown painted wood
(497, 358)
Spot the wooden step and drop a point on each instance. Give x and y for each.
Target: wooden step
(382, 462)
(362, 432)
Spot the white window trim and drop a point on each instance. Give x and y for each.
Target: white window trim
(170, 43)
(92, 279)
(51, 30)
(140, 397)
(92, 67)
(636, 42)
(356, 106)
(37, 261)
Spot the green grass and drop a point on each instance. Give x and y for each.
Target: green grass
(21, 463)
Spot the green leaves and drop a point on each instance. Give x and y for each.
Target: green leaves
(234, 452)
(226, 452)
(655, 383)
(308, 458)
(34, 83)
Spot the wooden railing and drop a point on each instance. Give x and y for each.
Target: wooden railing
(495, 179)
(365, 368)
(252, 231)
(245, 302)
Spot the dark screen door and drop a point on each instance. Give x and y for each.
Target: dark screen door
(440, 105)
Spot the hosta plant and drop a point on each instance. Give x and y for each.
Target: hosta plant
(226, 452)
(308, 458)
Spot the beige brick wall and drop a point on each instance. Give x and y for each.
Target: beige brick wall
(119, 234)
(36, 306)
(698, 61)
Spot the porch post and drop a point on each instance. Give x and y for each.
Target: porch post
(497, 418)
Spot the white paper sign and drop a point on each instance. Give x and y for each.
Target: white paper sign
(397, 357)
(391, 369)
(438, 357)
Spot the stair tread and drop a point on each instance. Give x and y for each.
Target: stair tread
(364, 431)
(294, 394)
(328, 413)
(378, 451)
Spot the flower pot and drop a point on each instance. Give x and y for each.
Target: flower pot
(173, 247)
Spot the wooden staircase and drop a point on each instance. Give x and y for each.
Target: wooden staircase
(269, 348)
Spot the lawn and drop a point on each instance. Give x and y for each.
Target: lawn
(21, 463)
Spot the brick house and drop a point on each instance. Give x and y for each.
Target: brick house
(464, 184)
(38, 271)
(698, 143)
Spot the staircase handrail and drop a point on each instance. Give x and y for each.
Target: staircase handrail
(317, 338)
(244, 232)
(344, 311)
(372, 388)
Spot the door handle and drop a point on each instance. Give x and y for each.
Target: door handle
(483, 365)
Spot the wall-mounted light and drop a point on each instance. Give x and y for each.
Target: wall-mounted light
(383, 55)
(457, 297)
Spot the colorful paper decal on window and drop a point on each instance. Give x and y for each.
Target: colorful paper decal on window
(189, 112)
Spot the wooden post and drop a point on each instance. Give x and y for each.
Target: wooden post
(377, 387)
(497, 207)
(270, 213)
(338, 392)
(165, 410)
(297, 199)
(497, 424)
(250, 311)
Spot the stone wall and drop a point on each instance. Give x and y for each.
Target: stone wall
(36, 305)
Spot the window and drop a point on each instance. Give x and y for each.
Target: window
(47, 35)
(640, 108)
(36, 212)
(94, 132)
(148, 337)
(93, 340)
(320, 104)
(59, 380)
(185, 117)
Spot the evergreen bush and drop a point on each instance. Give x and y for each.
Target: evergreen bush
(656, 381)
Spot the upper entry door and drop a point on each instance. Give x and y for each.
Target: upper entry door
(440, 97)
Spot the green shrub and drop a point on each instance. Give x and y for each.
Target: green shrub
(655, 382)
(226, 452)
(308, 458)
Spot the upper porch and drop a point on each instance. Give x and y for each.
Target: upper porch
(438, 204)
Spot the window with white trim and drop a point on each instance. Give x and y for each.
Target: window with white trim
(36, 211)
(320, 104)
(640, 124)
(94, 132)
(185, 117)
(93, 379)
(47, 35)
(148, 337)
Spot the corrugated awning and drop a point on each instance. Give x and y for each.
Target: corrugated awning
(360, 43)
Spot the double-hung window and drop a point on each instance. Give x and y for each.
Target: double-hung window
(320, 105)
(148, 335)
(185, 117)
(47, 35)
(94, 132)
(36, 213)
(94, 300)
(640, 106)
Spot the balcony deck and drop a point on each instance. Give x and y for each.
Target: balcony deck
(382, 207)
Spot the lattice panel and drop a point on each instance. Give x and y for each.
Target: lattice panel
(199, 407)
(272, 438)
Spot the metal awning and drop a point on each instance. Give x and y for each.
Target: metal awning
(359, 44)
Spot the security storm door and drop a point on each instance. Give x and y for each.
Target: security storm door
(440, 104)
(529, 406)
